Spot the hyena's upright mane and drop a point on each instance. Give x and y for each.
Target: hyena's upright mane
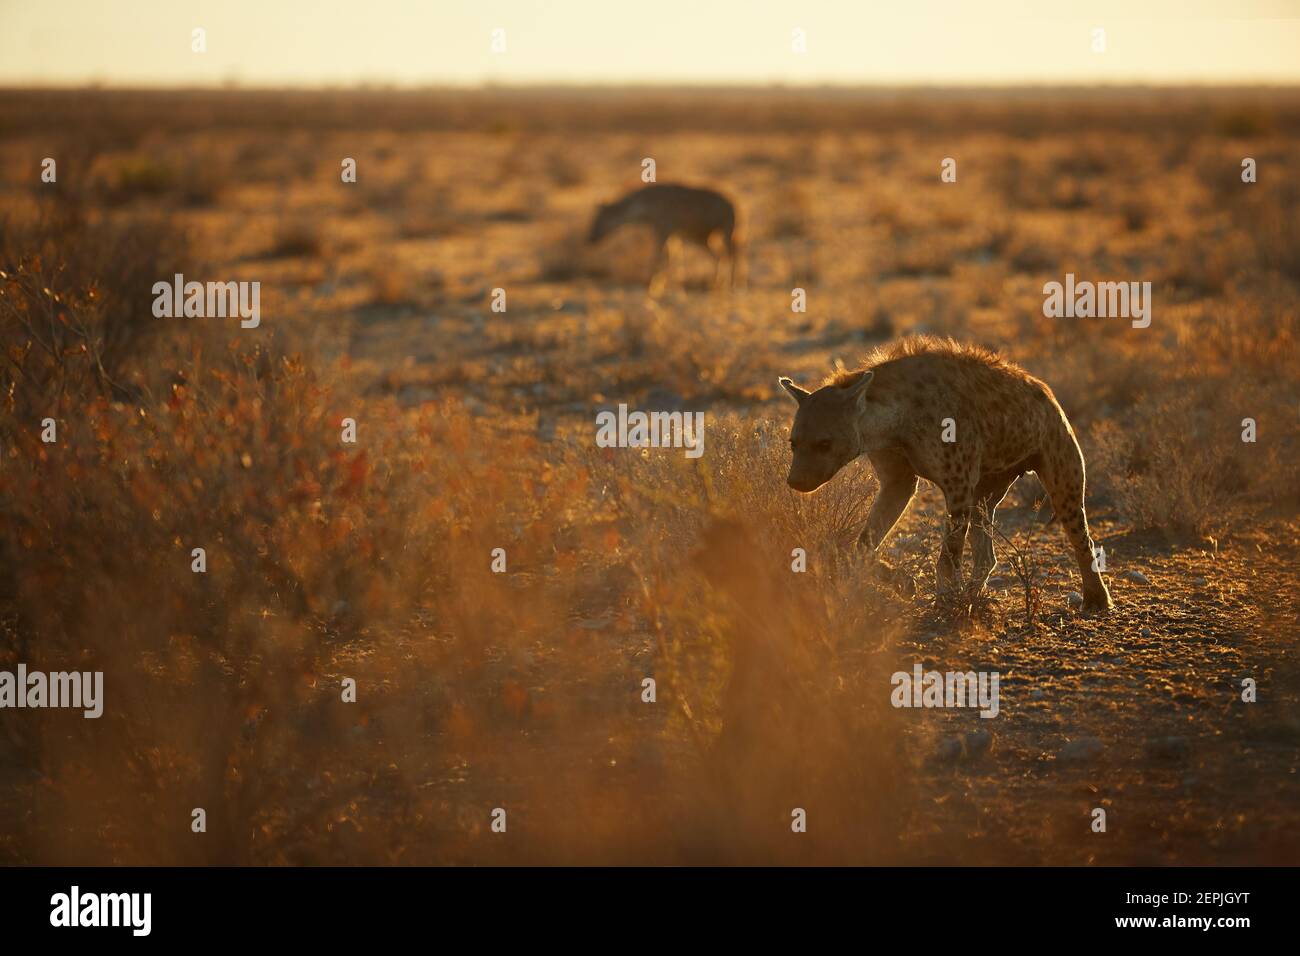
(924, 345)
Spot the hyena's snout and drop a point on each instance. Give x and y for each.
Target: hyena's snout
(805, 479)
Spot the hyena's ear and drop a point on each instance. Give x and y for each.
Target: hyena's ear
(797, 393)
(857, 390)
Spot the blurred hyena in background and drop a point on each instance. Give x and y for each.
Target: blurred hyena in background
(701, 216)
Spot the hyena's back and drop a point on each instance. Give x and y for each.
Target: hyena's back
(1014, 416)
(686, 211)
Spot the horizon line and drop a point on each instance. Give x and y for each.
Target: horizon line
(488, 85)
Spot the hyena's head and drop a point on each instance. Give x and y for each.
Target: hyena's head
(607, 220)
(833, 425)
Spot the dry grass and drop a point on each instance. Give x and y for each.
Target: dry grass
(523, 690)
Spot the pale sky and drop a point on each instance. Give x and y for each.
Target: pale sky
(421, 42)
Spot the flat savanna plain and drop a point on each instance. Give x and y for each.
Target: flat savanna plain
(524, 690)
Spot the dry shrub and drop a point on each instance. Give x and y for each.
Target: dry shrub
(421, 209)
(297, 236)
(211, 678)
(1019, 560)
(53, 347)
(327, 561)
(794, 674)
(779, 679)
(91, 277)
(1178, 464)
(1258, 336)
(565, 168)
(696, 359)
(1202, 268)
(1032, 255)
(141, 177)
(393, 282)
(568, 256)
(1267, 211)
(1244, 122)
(324, 561)
(980, 284)
(922, 256)
(793, 218)
(1218, 171)
(1274, 224)
(1136, 209)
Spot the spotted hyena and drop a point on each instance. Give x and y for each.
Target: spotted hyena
(701, 216)
(898, 410)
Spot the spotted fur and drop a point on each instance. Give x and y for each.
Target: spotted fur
(893, 410)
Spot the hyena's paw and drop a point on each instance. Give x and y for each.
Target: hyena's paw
(1090, 604)
(1095, 604)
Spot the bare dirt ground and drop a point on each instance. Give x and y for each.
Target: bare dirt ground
(523, 690)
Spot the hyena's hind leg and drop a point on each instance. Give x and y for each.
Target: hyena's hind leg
(988, 495)
(718, 246)
(1062, 474)
(725, 247)
(662, 263)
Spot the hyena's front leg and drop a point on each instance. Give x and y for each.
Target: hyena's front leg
(948, 570)
(890, 503)
(961, 504)
(897, 485)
